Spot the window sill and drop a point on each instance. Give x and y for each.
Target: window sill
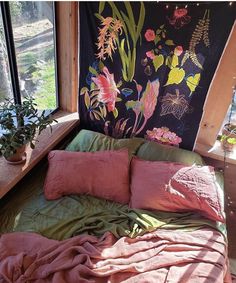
(216, 152)
(11, 174)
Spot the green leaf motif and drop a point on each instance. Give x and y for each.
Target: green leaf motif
(101, 6)
(157, 39)
(83, 90)
(115, 112)
(87, 100)
(130, 104)
(175, 76)
(93, 71)
(158, 61)
(193, 81)
(169, 42)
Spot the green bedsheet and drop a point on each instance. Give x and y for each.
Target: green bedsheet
(73, 215)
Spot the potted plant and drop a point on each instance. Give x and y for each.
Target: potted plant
(228, 137)
(18, 127)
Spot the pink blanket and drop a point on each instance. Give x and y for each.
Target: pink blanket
(160, 256)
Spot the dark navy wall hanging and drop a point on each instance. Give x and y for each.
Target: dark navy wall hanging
(145, 67)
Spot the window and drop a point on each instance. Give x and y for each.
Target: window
(27, 52)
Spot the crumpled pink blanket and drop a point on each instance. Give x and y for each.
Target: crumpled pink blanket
(161, 256)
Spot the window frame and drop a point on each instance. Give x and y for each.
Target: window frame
(215, 108)
(11, 52)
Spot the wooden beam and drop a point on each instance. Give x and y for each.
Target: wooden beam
(219, 95)
(67, 59)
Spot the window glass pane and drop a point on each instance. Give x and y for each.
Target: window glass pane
(33, 29)
(231, 113)
(5, 80)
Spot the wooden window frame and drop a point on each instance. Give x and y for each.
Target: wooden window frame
(67, 59)
(219, 97)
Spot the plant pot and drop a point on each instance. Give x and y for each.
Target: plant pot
(227, 146)
(229, 133)
(17, 158)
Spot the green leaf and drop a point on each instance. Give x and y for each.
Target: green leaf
(193, 81)
(118, 99)
(162, 26)
(157, 39)
(115, 112)
(100, 65)
(101, 6)
(130, 104)
(83, 90)
(93, 71)
(175, 76)
(98, 16)
(169, 42)
(158, 61)
(140, 20)
(87, 100)
(158, 31)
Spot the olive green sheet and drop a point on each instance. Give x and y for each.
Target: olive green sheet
(74, 215)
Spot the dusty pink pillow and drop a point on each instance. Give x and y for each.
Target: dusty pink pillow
(174, 187)
(103, 174)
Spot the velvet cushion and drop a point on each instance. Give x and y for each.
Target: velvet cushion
(103, 174)
(174, 187)
(87, 140)
(154, 151)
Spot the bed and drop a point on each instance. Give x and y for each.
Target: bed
(86, 238)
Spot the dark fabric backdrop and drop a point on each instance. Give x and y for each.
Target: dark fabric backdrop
(165, 83)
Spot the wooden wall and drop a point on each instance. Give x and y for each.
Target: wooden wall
(230, 200)
(67, 42)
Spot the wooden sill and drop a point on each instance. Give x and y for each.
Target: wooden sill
(216, 152)
(11, 174)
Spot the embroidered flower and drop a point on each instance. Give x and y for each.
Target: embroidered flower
(178, 50)
(150, 54)
(107, 89)
(179, 18)
(163, 135)
(150, 35)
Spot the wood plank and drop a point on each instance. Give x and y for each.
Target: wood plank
(67, 59)
(216, 152)
(11, 174)
(219, 95)
(230, 200)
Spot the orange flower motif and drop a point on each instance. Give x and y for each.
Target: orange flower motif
(107, 89)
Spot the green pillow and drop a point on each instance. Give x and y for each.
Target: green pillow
(92, 141)
(154, 151)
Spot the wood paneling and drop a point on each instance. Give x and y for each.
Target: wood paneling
(67, 46)
(230, 200)
(219, 94)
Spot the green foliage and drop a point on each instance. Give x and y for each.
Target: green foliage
(19, 124)
(44, 78)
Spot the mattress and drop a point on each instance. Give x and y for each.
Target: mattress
(87, 239)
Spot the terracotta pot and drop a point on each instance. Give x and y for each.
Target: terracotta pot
(225, 145)
(19, 157)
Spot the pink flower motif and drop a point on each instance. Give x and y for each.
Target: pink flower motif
(150, 54)
(178, 50)
(163, 135)
(107, 89)
(149, 98)
(179, 18)
(150, 35)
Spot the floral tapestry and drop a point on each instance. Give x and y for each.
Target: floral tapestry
(145, 67)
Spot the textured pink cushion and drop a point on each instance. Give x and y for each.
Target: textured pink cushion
(175, 187)
(103, 174)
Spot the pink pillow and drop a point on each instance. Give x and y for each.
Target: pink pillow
(103, 174)
(175, 187)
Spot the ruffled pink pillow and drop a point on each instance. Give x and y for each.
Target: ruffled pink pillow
(174, 187)
(103, 174)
